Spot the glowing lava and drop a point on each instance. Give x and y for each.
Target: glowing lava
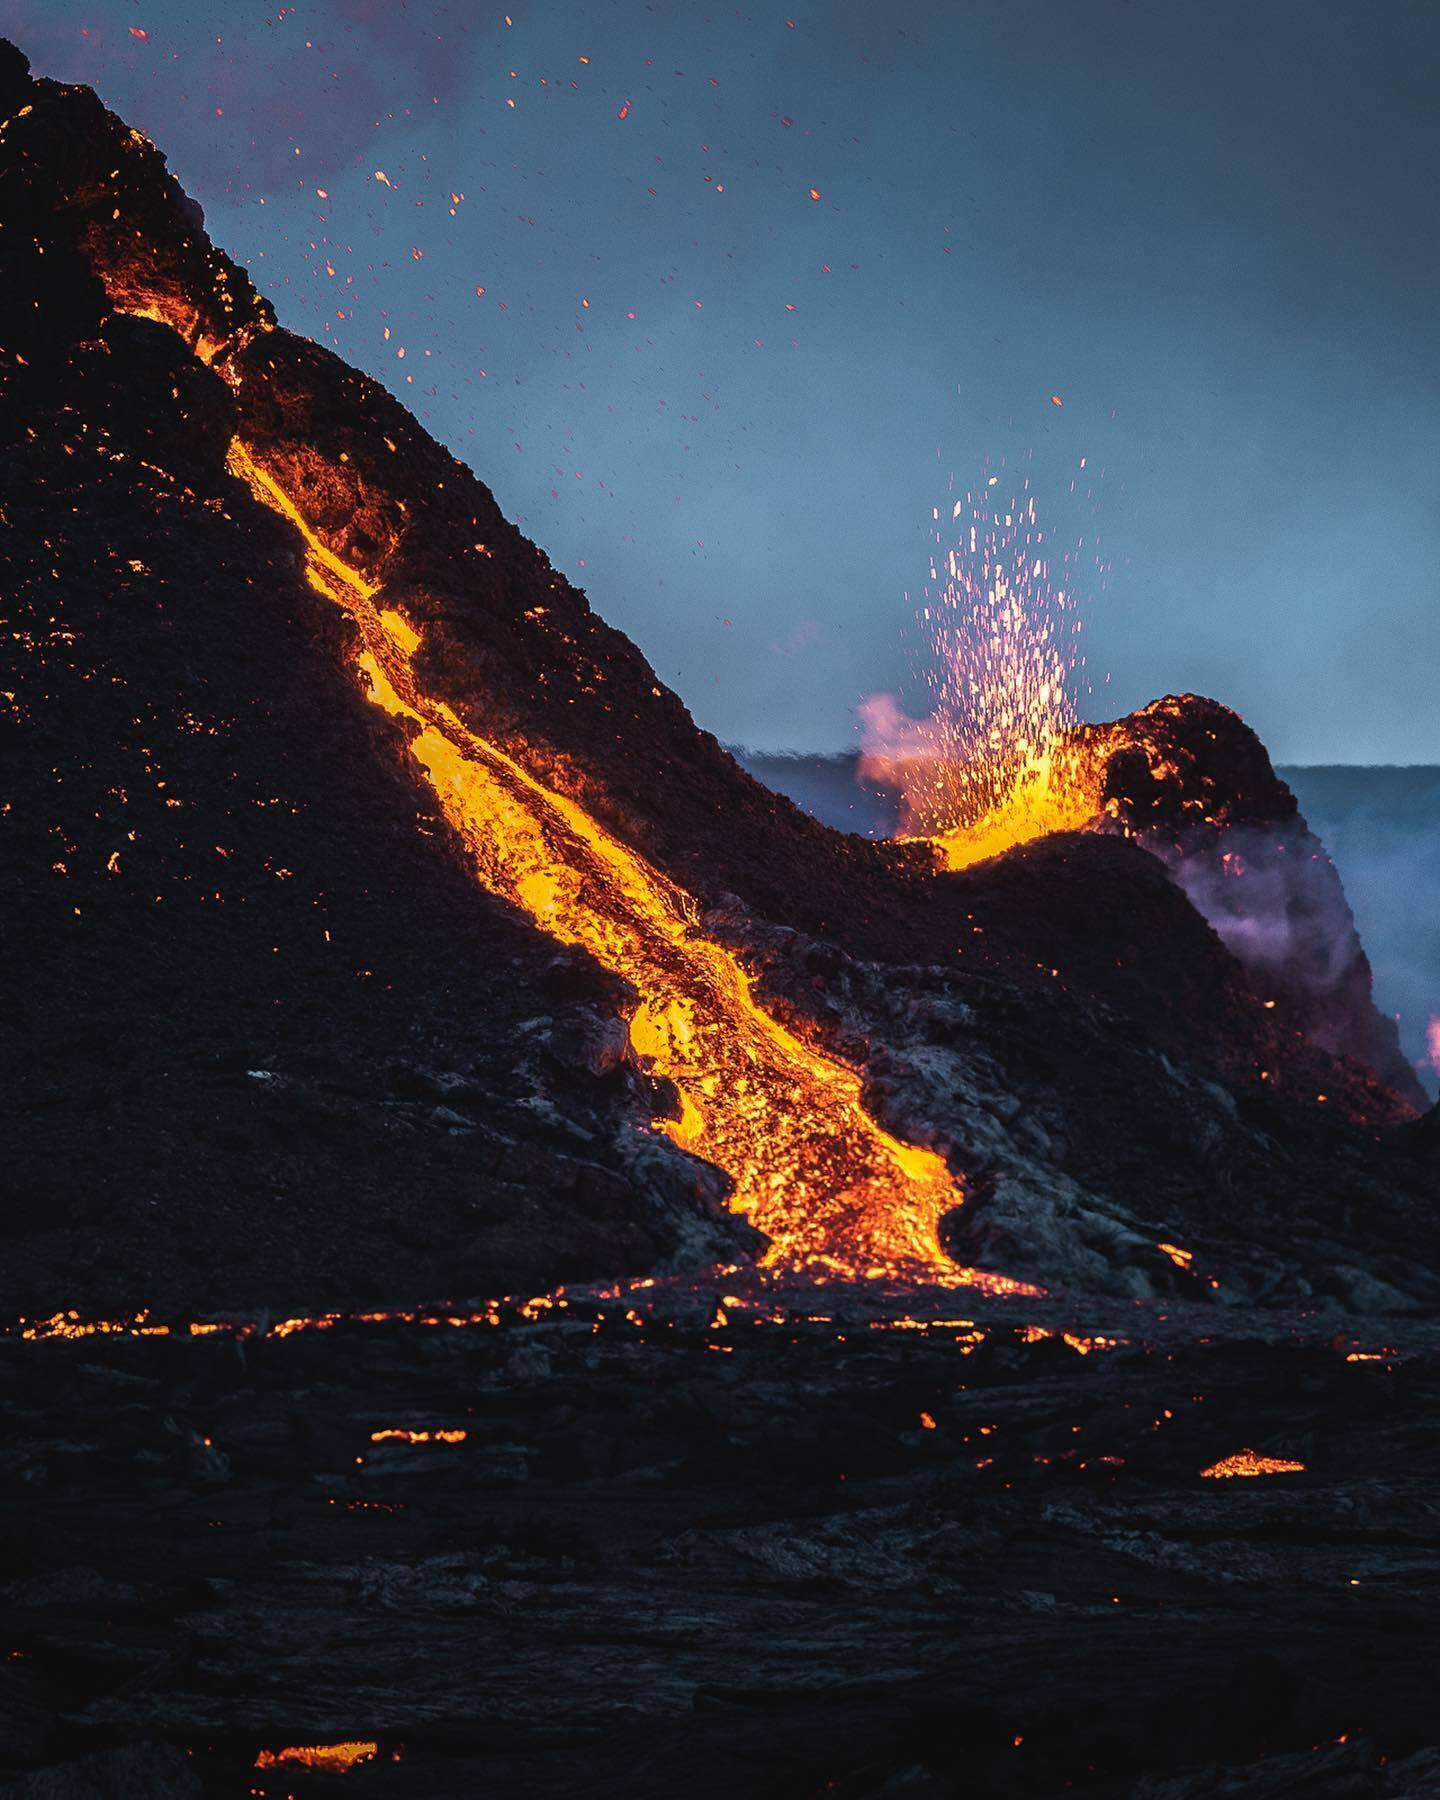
(999, 762)
(397, 1434)
(809, 1166)
(786, 1122)
(1249, 1462)
(330, 1759)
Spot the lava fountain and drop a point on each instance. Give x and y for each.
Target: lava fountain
(999, 761)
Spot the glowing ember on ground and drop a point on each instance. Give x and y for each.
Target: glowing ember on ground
(330, 1759)
(1082, 1346)
(72, 1325)
(397, 1435)
(998, 762)
(779, 1297)
(1249, 1462)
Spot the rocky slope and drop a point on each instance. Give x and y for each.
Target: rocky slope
(269, 1042)
(1094, 1061)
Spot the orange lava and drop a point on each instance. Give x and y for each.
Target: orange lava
(831, 1189)
(72, 1325)
(329, 1759)
(760, 1307)
(398, 1435)
(826, 1184)
(1249, 1462)
(1048, 796)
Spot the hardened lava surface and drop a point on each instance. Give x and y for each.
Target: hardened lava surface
(728, 1537)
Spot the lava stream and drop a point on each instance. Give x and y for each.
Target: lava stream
(810, 1167)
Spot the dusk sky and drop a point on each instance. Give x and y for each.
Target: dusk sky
(726, 407)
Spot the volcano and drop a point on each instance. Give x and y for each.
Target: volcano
(496, 1188)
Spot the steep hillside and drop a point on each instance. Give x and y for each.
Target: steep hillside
(223, 543)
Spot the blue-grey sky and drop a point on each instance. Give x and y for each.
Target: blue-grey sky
(726, 407)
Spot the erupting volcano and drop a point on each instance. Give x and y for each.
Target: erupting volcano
(759, 963)
(497, 1186)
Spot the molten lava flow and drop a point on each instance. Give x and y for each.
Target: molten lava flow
(399, 1434)
(331, 1759)
(999, 762)
(71, 1325)
(1248, 1462)
(811, 1168)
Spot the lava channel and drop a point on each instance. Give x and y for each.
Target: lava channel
(810, 1167)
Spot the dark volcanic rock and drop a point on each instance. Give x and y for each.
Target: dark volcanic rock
(157, 1771)
(1195, 786)
(775, 1555)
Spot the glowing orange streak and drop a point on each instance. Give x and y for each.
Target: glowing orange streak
(1250, 1463)
(400, 1435)
(333, 1759)
(810, 1167)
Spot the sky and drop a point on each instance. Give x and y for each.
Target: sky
(718, 301)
